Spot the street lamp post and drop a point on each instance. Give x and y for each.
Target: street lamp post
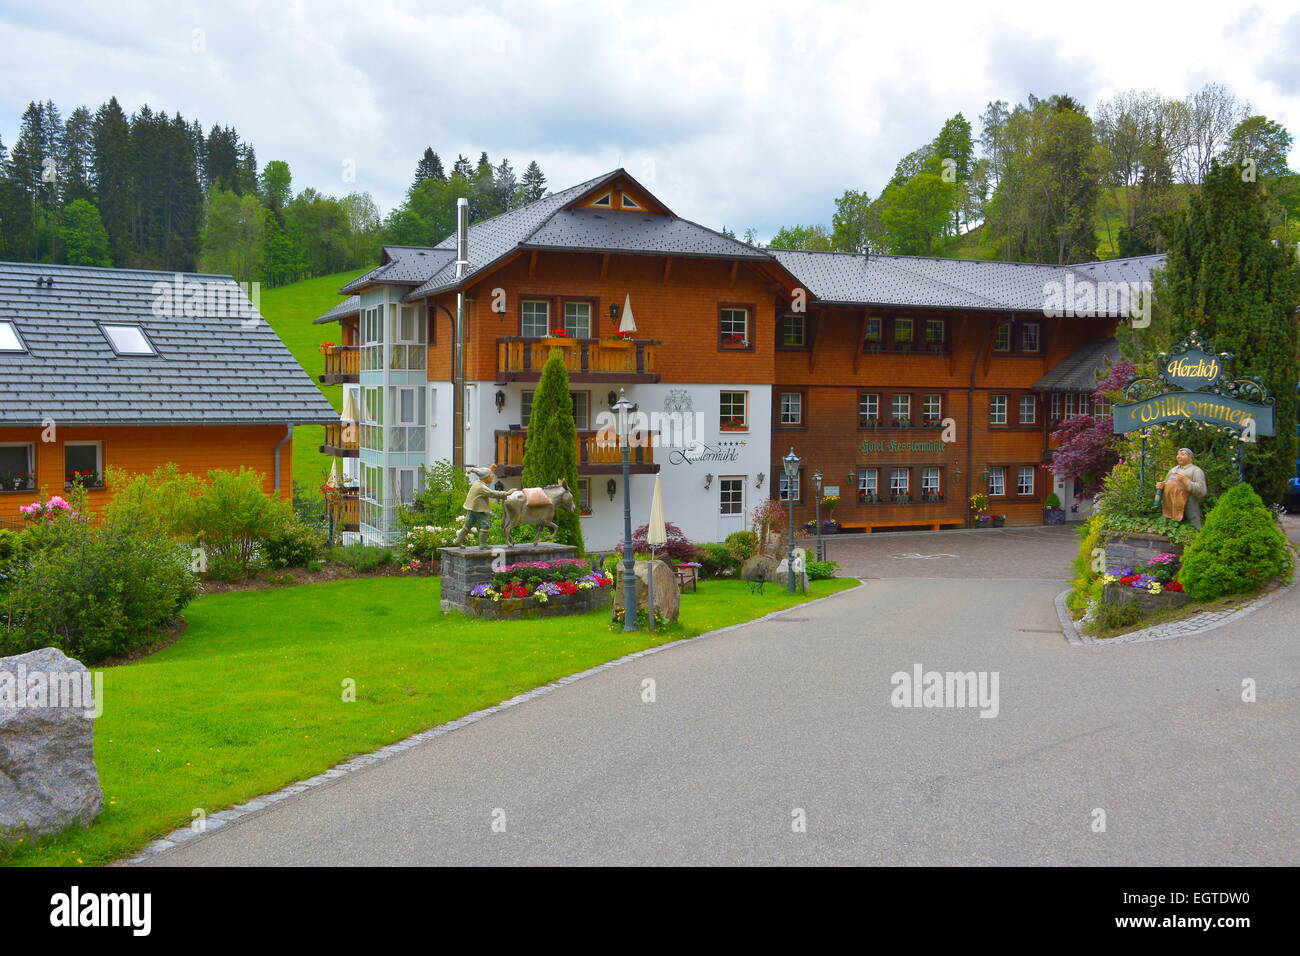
(623, 410)
(791, 483)
(817, 491)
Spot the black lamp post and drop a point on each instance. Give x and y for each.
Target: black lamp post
(623, 409)
(817, 490)
(792, 482)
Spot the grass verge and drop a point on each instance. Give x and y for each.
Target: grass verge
(250, 698)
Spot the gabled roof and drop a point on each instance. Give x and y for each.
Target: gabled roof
(224, 366)
(637, 232)
(975, 284)
(1078, 373)
(349, 306)
(402, 265)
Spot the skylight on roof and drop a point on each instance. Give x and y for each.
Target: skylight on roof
(128, 340)
(9, 340)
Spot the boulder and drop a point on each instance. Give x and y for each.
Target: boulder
(48, 778)
(760, 567)
(668, 596)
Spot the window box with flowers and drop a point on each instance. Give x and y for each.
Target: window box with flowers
(731, 340)
(83, 479)
(932, 497)
(620, 340)
(868, 422)
(325, 347)
(560, 338)
(931, 422)
(20, 481)
(732, 425)
(868, 498)
(901, 423)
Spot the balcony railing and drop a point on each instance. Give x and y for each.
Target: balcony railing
(342, 364)
(346, 509)
(597, 453)
(589, 360)
(342, 439)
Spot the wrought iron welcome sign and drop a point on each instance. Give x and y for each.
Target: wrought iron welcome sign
(1195, 389)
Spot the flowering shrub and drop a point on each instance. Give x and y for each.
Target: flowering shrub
(1086, 444)
(678, 547)
(43, 512)
(424, 541)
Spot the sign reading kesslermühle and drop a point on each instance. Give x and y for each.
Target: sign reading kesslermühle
(894, 446)
(1201, 394)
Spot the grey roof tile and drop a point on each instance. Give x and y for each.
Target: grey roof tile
(637, 232)
(210, 368)
(1078, 373)
(349, 306)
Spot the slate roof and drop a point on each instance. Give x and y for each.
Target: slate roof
(209, 369)
(1077, 373)
(832, 278)
(841, 278)
(349, 306)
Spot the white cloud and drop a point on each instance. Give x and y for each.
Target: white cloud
(750, 113)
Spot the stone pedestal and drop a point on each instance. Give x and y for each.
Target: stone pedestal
(1135, 550)
(463, 568)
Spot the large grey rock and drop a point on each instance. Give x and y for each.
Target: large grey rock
(759, 567)
(668, 595)
(48, 778)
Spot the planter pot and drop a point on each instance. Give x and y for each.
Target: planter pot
(558, 341)
(617, 343)
(831, 529)
(1053, 516)
(983, 522)
(999, 521)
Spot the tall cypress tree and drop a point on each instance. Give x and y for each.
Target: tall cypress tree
(551, 448)
(1228, 281)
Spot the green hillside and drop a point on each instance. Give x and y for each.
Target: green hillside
(290, 309)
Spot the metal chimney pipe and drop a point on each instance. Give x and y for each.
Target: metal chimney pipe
(458, 347)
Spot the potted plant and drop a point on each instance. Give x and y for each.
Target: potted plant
(621, 340)
(325, 347)
(830, 525)
(732, 425)
(979, 506)
(733, 340)
(869, 423)
(1053, 513)
(997, 520)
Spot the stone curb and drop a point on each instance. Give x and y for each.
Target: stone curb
(1187, 627)
(258, 804)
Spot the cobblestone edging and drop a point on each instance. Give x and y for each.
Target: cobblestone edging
(257, 804)
(1195, 624)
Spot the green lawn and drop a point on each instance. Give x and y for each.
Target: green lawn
(250, 698)
(291, 309)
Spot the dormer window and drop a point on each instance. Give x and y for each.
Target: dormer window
(10, 340)
(128, 340)
(605, 200)
(629, 202)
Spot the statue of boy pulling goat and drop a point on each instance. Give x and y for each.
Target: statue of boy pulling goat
(527, 506)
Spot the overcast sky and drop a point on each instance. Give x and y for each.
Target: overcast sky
(735, 113)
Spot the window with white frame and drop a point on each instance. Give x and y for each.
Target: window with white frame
(407, 332)
(535, 316)
(868, 407)
(577, 319)
(407, 433)
(794, 331)
(997, 482)
(932, 408)
(1028, 409)
(1003, 342)
(584, 496)
(1029, 337)
(581, 409)
(868, 482)
(17, 466)
(1101, 408)
(372, 340)
(731, 496)
(997, 409)
(788, 488)
(1056, 406)
(83, 463)
(935, 332)
(733, 414)
(734, 328)
(10, 340)
(900, 407)
(930, 481)
(791, 408)
(1084, 405)
(1025, 480)
(1069, 405)
(900, 482)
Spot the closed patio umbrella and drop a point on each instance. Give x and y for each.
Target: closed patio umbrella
(349, 406)
(656, 535)
(628, 322)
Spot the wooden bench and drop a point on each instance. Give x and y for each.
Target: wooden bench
(931, 525)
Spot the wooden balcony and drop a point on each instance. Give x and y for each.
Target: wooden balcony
(346, 509)
(594, 457)
(588, 360)
(342, 365)
(342, 440)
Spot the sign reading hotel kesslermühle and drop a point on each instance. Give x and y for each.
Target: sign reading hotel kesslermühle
(1198, 393)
